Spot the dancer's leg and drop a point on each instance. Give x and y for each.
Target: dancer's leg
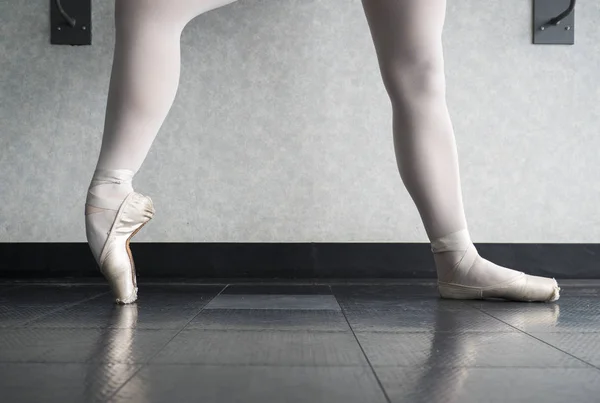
(408, 41)
(143, 84)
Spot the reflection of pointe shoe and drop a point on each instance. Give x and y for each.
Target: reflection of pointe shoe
(531, 317)
(522, 288)
(124, 317)
(116, 261)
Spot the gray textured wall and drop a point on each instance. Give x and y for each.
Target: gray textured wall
(281, 127)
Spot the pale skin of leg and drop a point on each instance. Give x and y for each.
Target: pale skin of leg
(408, 41)
(143, 85)
(145, 76)
(407, 35)
(407, 38)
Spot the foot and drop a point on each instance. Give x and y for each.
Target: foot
(114, 214)
(463, 274)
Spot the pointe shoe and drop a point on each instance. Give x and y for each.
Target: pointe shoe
(116, 262)
(522, 288)
(471, 269)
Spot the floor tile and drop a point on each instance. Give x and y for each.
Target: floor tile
(566, 315)
(61, 383)
(34, 295)
(405, 304)
(468, 349)
(251, 384)
(558, 321)
(278, 289)
(271, 319)
(274, 341)
(262, 348)
(585, 346)
(490, 385)
(401, 297)
(579, 288)
(588, 304)
(157, 308)
(502, 305)
(21, 305)
(383, 292)
(568, 304)
(241, 301)
(399, 320)
(81, 345)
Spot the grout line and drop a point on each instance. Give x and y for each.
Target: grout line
(538, 339)
(144, 364)
(65, 307)
(387, 398)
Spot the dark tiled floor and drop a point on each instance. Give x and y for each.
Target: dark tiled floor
(295, 343)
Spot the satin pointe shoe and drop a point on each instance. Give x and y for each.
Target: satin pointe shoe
(116, 261)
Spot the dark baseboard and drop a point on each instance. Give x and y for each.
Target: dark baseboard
(291, 260)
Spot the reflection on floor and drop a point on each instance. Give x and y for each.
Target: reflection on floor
(275, 342)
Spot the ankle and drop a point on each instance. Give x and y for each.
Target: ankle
(456, 241)
(108, 189)
(452, 264)
(453, 254)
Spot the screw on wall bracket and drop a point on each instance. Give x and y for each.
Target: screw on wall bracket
(549, 17)
(556, 20)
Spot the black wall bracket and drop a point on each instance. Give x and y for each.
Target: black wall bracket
(70, 22)
(554, 22)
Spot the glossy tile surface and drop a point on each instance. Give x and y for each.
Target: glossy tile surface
(81, 345)
(468, 349)
(287, 302)
(35, 382)
(21, 305)
(272, 319)
(252, 384)
(295, 343)
(585, 346)
(313, 348)
(572, 314)
(422, 320)
(157, 308)
(493, 385)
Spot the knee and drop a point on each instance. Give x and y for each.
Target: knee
(415, 78)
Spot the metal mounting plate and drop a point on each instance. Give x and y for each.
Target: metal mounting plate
(562, 34)
(61, 33)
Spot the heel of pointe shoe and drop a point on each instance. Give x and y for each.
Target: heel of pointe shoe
(454, 291)
(117, 261)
